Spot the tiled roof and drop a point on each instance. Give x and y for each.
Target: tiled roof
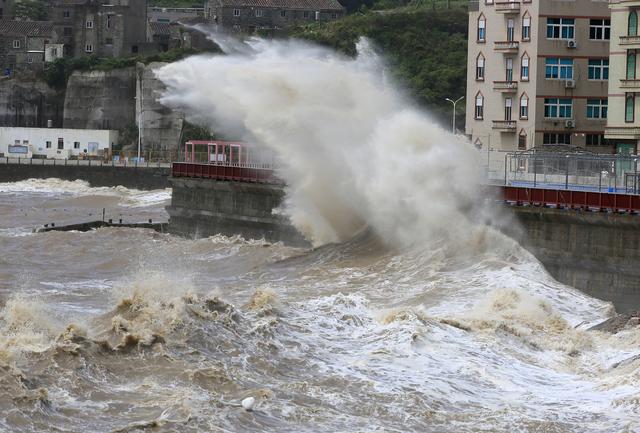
(160, 28)
(26, 28)
(315, 5)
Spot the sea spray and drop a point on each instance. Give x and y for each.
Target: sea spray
(351, 149)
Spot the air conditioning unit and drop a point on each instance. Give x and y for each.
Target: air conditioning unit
(570, 123)
(571, 43)
(569, 84)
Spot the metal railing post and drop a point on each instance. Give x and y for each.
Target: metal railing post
(535, 171)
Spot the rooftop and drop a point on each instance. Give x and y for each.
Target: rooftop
(26, 28)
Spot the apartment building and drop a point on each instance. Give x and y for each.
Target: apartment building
(538, 73)
(623, 123)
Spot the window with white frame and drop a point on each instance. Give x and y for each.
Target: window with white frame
(48, 145)
(508, 103)
(526, 28)
(236, 12)
(560, 28)
(76, 145)
(598, 69)
(597, 108)
(16, 43)
(259, 13)
(480, 67)
(88, 48)
(482, 28)
(557, 107)
(89, 24)
(599, 29)
(508, 69)
(556, 68)
(479, 113)
(524, 106)
(511, 30)
(524, 67)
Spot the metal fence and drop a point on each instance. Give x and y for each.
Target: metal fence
(572, 171)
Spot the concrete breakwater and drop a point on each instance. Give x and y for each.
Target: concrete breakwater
(143, 178)
(91, 225)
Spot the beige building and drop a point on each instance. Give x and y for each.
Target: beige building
(623, 124)
(538, 74)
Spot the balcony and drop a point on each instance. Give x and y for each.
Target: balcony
(630, 41)
(622, 132)
(505, 86)
(508, 7)
(630, 84)
(507, 46)
(505, 125)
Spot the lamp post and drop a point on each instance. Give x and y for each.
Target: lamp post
(453, 122)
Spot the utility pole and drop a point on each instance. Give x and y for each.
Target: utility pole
(453, 121)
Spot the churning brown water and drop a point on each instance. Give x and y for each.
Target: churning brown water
(122, 330)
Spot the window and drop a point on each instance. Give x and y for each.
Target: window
(556, 138)
(558, 68)
(598, 69)
(108, 41)
(283, 14)
(511, 31)
(482, 30)
(508, 102)
(67, 31)
(54, 52)
(60, 143)
(334, 15)
(560, 28)
(48, 145)
(66, 14)
(236, 12)
(258, 13)
(631, 65)
(632, 27)
(596, 140)
(16, 43)
(557, 107)
(597, 108)
(16, 142)
(88, 48)
(522, 140)
(134, 49)
(479, 106)
(305, 14)
(524, 106)
(76, 145)
(29, 59)
(89, 24)
(600, 30)
(526, 28)
(629, 107)
(480, 67)
(508, 70)
(524, 68)
(109, 19)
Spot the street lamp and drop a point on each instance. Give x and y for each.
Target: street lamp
(453, 123)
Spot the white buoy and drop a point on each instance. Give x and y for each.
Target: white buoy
(248, 403)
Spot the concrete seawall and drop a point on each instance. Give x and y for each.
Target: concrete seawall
(598, 253)
(202, 207)
(139, 178)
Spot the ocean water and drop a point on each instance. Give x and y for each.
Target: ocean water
(129, 330)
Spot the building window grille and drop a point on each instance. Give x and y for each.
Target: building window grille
(632, 27)
(560, 28)
(558, 68)
(599, 30)
(67, 31)
(629, 107)
(29, 59)
(236, 12)
(480, 67)
(108, 41)
(526, 28)
(598, 69)
(89, 24)
(60, 143)
(557, 107)
(524, 106)
(479, 112)
(16, 43)
(482, 30)
(597, 108)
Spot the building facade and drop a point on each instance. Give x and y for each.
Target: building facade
(59, 143)
(537, 74)
(25, 46)
(623, 123)
(247, 16)
(113, 28)
(159, 14)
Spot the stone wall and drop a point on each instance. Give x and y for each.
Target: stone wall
(29, 104)
(201, 208)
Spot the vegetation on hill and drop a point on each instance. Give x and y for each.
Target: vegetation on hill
(426, 50)
(34, 10)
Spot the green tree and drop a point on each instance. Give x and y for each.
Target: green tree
(35, 10)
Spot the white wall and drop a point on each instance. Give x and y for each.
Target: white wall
(94, 141)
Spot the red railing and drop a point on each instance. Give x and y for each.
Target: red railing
(567, 199)
(234, 172)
